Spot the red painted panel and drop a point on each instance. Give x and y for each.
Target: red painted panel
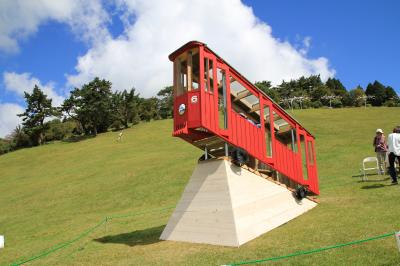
(233, 127)
(210, 112)
(240, 133)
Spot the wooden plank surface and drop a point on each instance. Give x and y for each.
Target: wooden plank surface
(227, 205)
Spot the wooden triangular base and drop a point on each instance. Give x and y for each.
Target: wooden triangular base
(226, 205)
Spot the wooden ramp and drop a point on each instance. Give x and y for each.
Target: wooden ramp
(227, 205)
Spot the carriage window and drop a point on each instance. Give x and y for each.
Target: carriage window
(180, 76)
(222, 101)
(244, 102)
(195, 70)
(186, 68)
(284, 132)
(208, 75)
(267, 125)
(303, 157)
(310, 153)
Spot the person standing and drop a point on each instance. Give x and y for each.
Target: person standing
(380, 149)
(394, 152)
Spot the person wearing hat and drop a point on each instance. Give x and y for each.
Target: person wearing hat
(380, 149)
(394, 152)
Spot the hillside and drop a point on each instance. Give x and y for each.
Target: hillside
(51, 194)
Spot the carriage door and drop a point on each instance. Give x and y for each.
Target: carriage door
(222, 99)
(312, 165)
(304, 163)
(308, 164)
(186, 86)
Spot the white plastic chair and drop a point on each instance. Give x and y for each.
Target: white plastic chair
(365, 167)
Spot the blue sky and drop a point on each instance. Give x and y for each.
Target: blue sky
(361, 39)
(62, 44)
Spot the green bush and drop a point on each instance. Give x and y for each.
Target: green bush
(116, 125)
(58, 130)
(6, 146)
(336, 103)
(316, 104)
(391, 103)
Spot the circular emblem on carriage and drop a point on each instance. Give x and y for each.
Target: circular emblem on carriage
(194, 99)
(182, 109)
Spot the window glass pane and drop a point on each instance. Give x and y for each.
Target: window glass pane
(310, 153)
(222, 102)
(235, 86)
(181, 68)
(195, 69)
(244, 102)
(208, 75)
(206, 71)
(267, 125)
(211, 75)
(294, 140)
(181, 84)
(303, 157)
(284, 132)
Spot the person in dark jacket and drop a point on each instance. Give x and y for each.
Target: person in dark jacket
(394, 152)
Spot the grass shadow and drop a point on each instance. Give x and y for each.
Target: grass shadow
(375, 180)
(139, 237)
(369, 174)
(373, 186)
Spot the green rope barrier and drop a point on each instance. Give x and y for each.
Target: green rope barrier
(85, 233)
(311, 251)
(116, 216)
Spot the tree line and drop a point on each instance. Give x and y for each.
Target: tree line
(92, 109)
(311, 92)
(95, 108)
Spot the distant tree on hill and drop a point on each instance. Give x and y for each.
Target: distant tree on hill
(59, 130)
(336, 87)
(319, 91)
(166, 102)
(285, 89)
(309, 83)
(392, 99)
(391, 94)
(20, 138)
(38, 109)
(378, 92)
(267, 88)
(91, 106)
(125, 107)
(356, 96)
(6, 146)
(311, 87)
(148, 109)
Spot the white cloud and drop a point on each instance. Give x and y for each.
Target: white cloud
(21, 18)
(306, 45)
(138, 57)
(8, 117)
(19, 83)
(155, 28)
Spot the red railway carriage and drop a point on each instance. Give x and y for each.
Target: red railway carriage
(217, 109)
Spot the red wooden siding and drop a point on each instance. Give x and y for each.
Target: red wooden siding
(240, 132)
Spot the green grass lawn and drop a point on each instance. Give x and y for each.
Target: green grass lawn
(51, 194)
